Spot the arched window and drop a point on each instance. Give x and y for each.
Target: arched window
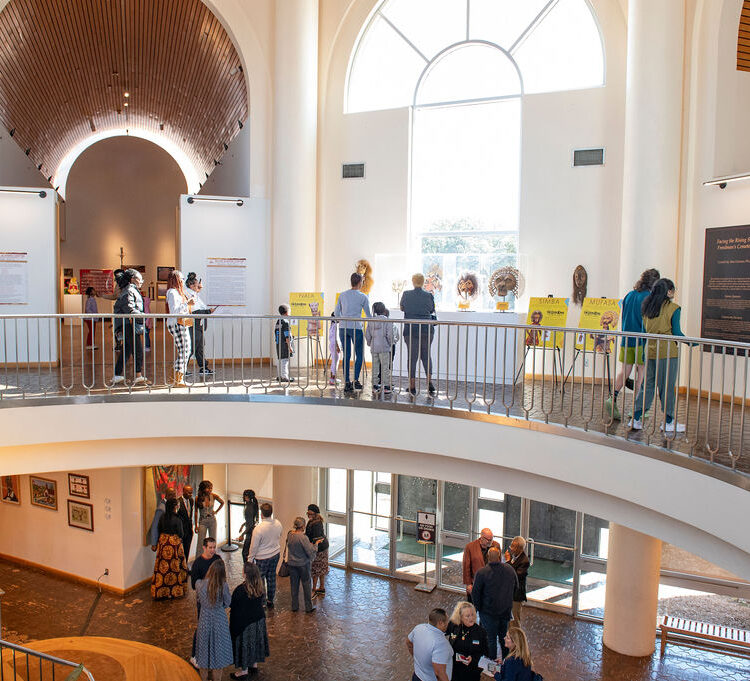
(464, 66)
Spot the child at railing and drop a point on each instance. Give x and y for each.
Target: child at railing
(284, 351)
(381, 337)
(91, 308)
(334, 348)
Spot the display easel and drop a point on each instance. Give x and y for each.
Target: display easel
(556, 362)
(577, 353)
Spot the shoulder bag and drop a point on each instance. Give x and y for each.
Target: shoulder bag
(284, 568)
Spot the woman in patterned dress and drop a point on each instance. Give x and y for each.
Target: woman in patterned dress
(316, 533)
(213, 644)
(170, 567)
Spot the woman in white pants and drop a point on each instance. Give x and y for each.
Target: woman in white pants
(178, 303)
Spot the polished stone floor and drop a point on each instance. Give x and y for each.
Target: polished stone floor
(357, 631)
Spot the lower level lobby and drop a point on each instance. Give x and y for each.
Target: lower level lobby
(357, 631)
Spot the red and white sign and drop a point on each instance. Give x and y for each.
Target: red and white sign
(102, 280)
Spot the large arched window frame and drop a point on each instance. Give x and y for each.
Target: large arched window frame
(463, 68)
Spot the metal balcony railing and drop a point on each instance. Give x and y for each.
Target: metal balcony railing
(554, 375)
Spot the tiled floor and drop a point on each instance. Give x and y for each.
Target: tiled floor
(357, 631)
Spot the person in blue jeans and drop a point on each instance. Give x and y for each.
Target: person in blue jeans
(492, 594)
(353, 303)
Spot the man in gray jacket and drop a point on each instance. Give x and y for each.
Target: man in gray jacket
(300, 553)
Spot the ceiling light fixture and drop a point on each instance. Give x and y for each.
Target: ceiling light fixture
(126, 104)
(215, 199)
(721, 182)
(127, 94)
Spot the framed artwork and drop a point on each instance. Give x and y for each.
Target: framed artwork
(137, 268)
(161, 290)
(43, 492)
(10, 489)
(78, 485)
(162, 273)
(81, 515)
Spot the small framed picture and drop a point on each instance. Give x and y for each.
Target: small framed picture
(162, 273)
(81, 515)
(78, 485)
(43, 492)
(10, 489)
(161, 290)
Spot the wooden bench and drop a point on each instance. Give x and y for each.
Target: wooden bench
(713, 637)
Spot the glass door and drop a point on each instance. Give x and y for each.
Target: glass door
(457, 506)
(414, 494)
(370, 520)
(335, 495)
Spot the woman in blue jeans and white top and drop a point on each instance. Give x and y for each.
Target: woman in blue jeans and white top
(300, 553)
(661, 316)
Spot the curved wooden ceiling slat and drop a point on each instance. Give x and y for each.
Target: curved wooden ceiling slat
(66, 64)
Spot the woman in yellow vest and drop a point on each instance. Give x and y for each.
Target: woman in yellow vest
(661, 316)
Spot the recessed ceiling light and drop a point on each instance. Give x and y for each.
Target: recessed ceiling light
(126, 104)
(127, 94)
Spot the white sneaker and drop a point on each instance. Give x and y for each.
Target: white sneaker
(674, 427)
(194, 662)
(118, 379)
(141, 380)
(635, 424)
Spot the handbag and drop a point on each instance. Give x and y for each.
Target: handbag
(284, 568)
(185, 321)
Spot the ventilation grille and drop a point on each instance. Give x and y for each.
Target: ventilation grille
(588, 157)
(350, 170)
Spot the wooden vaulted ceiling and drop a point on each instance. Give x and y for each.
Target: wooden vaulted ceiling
(65, 66)
(743, 38)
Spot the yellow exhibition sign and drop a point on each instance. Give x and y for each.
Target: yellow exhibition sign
(601, 315)
(546, 312)
(306, 304)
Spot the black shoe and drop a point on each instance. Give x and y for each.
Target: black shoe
(235, 675)
(348, 387)
(358, 385)
(376, 387)
(629, 383)
(431, 390)
(313, 609)
(412, 391)
(269, 605)
(208, 372)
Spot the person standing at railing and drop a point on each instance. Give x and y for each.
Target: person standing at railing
(283, 338)
(631, 349)
(179, 304)
(353, 303)
(419, 304)
(380, 338)
(130, 330)
(90, 308)
(193, 287)
(661, 316)
(334, 348)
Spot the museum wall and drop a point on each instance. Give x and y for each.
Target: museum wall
(232, 176)
(122, 191)
(568, 216)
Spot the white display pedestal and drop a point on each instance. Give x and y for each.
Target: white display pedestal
(73, 304)
(471, 352)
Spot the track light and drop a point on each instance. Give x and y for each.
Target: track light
(226, 146)
(214, 199)
(40, 194)
(721, 182)
(39, 167)
(240, 124)
(28, 151)
(12, 132)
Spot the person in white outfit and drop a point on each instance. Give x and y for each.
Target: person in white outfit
(265, 548)
(178, 303)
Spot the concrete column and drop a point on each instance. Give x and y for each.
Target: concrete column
(294, 487)
(631, 598)
(653, 139)
(295, 129)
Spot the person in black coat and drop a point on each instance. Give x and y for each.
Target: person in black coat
(468, 639)
(185, 513)
(251, 520)
(494, 587)
(419, 304)
(519, 561)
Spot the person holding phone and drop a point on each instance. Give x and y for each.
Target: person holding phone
(469, 642)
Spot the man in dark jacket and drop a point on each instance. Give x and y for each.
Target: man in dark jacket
(494, 586)
(185, 513)
(519, 561)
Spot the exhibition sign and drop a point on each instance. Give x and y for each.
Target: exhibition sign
(306, 304)
(14, 273)
(426, 526)
(601, 314)
(226, 281)
(102, 280)
(726, 285)
(546, 312)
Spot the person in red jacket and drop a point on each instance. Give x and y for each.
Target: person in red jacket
(475, 557)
